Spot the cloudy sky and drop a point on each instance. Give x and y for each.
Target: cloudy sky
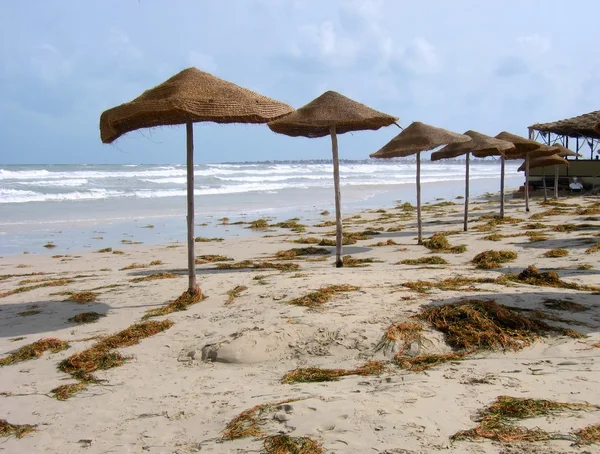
(461, 64)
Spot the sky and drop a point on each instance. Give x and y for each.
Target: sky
(461, 64)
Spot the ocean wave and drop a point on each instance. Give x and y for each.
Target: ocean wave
(174, 180)
(18, 196)
(57, 183)
(254, 172)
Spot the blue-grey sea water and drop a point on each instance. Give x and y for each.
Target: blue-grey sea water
(92, 206)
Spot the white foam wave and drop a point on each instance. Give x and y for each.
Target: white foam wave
(18, 196)
(57, 183)
(174, 180)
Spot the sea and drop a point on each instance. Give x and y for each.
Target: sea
(83, 207)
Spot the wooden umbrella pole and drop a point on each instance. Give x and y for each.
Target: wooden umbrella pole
(338, 203)
(544, 183)
(190, 208)
(556, 182)
(527, 182)
(419, 222)
(467, 192)
(502, 186)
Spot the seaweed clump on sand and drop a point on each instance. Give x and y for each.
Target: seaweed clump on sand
(317, 374)
(588, 435)
(248, 423)
(322, 296)
(86, 317)
(473, 325)
(81, 297)
(291, 224)
(212, 258)
(498, 421)
(184, 301)
(389, 242)
(291, 254)
(48, 283)
(101, 356)
(431, 260)
(423, 362)
(558, 252)
(469, 326)
(353, 262)
(404, 333)
(258, 265)
(493, 259)
(439, 243)
(15, 430)
(284, 444)
(234, 293)
(457, 283)
(154, 277)
(34, 350)
(532, 276)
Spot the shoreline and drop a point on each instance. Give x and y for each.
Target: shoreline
(179, 388)
(98, 234)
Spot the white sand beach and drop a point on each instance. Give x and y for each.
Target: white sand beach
(178, 390)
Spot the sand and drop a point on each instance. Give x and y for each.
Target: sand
(181, 387)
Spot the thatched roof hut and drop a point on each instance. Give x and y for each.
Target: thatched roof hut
(580, 126)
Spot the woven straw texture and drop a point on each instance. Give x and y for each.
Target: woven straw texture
(597, 127)
(543, 150)
(448, 152)
(563, 152)
(330, 109)
(191, 95)
(418, 137)
(522, 145)
(582, 125)
(480, 146)
(545, 161)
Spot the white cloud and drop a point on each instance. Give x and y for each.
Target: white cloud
(202, 61)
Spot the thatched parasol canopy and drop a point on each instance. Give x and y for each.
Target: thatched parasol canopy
(522, 145)
(190, 96)
(480, 146)
(525, 149)
(331, 109)
(545, 161)
(564, 152)
(597, 127)
(332, 114)
(187, 97)
(418, 137)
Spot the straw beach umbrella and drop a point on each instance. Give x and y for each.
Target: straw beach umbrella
(187, 97)
(481, 146)
(563, 152)
(418, 137)
(332, 114)
(524, 149)
(545, 161)
(597, 127)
